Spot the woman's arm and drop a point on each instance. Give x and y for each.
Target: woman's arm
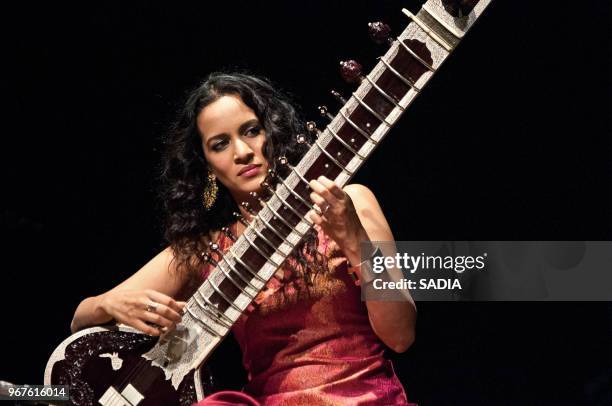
(353, 215)
(155, 284)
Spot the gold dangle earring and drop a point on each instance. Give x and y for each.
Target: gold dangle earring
(210, 191)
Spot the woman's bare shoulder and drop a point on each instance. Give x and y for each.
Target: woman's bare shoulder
(369, 211)
(361, 196)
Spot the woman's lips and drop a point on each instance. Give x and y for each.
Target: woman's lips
(249, 171)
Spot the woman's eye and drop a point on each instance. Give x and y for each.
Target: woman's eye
(218, 146)
(253, 131)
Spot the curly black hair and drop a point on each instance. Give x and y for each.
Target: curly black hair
(188, 226)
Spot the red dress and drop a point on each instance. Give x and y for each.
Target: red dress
(311, 346)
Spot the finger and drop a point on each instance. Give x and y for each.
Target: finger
(145, 328)
(315, 218)
(319, 188)
(156, 319)
(332, 187)
(163, 310)
(318, 199)
(321, 205)
(163, 299)
(182, 306)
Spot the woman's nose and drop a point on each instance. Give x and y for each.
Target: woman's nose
(242, 151)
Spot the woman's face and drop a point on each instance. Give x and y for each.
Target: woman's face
(232, 140)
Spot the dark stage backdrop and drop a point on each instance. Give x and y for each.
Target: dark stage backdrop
(509, 141)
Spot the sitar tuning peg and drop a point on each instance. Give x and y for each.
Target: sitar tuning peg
(325, 113)
(351, 71)
(282, 160)
(338, 97)
(380, 32)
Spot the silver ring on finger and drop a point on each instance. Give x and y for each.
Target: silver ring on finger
(151, 307)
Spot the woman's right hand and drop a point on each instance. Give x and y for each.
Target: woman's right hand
(136, 308)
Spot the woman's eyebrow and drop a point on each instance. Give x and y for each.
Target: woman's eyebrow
(249, 123)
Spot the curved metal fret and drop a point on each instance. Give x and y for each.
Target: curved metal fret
(210, 329)
(236, 284)
(275, 231)
(248, 268)
(428, 31)
(298, 196)
(418, 58)
(382, 119)
(281, 218)
(211, 315)
(399, 75)
(447, 26)
(230, 302)
(263, 254)
(353, 151)
(239, 275)
(209, 303)
(294, 169)
(293, 210)
(388, 97)
(338, 164)
(356, 127)
(263, 237)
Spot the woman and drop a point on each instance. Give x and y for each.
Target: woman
(308, 338)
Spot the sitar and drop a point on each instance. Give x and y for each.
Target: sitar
(118, 365)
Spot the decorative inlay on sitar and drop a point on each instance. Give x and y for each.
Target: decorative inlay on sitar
(119, 366)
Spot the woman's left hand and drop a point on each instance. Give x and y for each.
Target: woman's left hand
(338, 217)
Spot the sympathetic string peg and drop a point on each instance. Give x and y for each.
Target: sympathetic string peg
(350, 71)
(380, 32)
(338, 97)
(325, 113)
(248, 208)
(311, 126)
(268, 180)
(255, 197)
(208, 258)
(301, 139)
(229, 234)
(283, 160)
(259, 199)
(241, 219)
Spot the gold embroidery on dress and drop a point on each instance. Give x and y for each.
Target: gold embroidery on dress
(290, 289)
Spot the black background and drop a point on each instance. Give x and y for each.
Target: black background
(509, 141)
